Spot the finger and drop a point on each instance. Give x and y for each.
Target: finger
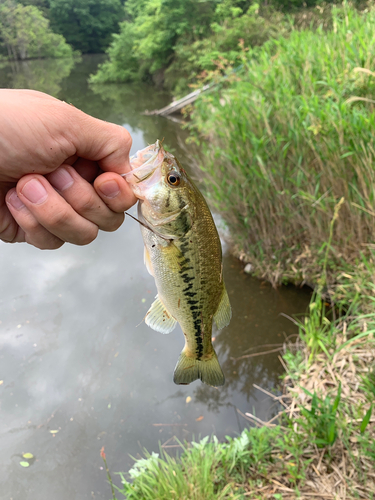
(100, 141)
(53, 212)
(10, 231)
(83, 198)
(8, 226)
(114, 191)
(29, 229)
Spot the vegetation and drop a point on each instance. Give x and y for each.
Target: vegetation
(289, 137)
(172, 43)
(25, 33)
(51, 28)
(149, 34)
(87, 25)
(175, 43)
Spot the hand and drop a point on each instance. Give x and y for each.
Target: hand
(52, 159)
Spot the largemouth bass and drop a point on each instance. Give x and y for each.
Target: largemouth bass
(183, 254)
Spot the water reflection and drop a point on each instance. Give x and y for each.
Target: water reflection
(73, 360)
(44, 75)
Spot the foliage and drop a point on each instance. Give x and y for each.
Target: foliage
(25, 33)
(86, 24)
(203, 471)
(185, 36)
(320, 420)
(122, 64)
(150, 32)
(42, 5)
(284, 141)
(223, 48)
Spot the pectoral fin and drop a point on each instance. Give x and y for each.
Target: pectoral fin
(173, 256)
(223, 314)
(159, 319)
(147, 261)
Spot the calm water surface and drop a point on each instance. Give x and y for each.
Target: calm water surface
(75, 356)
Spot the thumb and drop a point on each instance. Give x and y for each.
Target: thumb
(101, 141)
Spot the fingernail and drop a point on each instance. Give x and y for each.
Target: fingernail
(60, 179)
(15, 201)
(34, 191)
(110, 189)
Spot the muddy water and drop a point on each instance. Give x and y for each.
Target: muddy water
(79, 368)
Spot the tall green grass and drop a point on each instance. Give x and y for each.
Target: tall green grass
(283, 142)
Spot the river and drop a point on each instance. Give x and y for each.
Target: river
(78, 368)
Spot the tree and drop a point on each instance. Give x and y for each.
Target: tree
(26, 33)
(86, 24)
(149, 34)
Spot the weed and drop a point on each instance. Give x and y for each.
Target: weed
(102, 454)
(321, 419)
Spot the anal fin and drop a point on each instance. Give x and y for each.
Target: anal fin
(159, 319)
(223, 314)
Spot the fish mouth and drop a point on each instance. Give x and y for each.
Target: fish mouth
(144, 164)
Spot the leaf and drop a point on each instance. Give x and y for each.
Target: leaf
(366, 420)
(28, 455)
(332, 432)
(337, 400)
(54, 431)
(188, 399)
(199, 418)
(25, 464)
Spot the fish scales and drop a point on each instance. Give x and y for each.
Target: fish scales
(183, 253)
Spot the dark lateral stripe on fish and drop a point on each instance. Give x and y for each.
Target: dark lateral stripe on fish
(184, 269)
(195, 309)
(198, 338)
(187, 278)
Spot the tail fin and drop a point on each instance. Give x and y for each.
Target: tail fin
(189, 369)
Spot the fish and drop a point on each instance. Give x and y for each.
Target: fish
(182, 251)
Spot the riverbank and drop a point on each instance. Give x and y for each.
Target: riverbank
(288, 159)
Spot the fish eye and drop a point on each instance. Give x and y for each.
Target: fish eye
(173, 179)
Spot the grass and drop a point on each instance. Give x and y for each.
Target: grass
(282, 145)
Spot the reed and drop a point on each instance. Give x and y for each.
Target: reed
(287, 138)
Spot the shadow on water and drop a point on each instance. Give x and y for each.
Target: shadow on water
(77, 372)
